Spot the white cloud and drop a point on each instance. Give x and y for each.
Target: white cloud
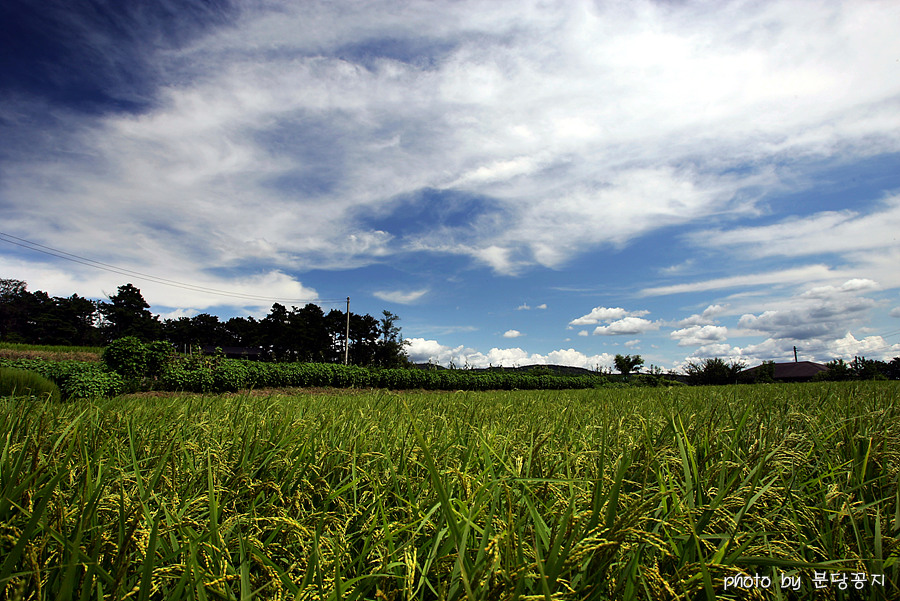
(582, 123)
(810, 273)
(626, 326)
(421, 350)
(526, 307)
(607, 314)
(825, 232)
(895, 312)
(699, 335)
(823, 311)
(403, 297)
(707, 317)
(871, 347)
(865, 241)
(512, 334)
(599, 314)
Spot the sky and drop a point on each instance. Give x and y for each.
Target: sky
(525, 182)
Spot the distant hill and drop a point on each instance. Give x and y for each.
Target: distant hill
(557, 370)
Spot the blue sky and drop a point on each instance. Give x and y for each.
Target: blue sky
(521, 182)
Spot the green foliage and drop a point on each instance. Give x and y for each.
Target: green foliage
(210, 374)
(858, 369)
(159, 355)
(627, 363)
(713, 372)
(25, 383)
(134, 359)
(76, 379)
(128, 314)
(645, 493)
(127, 356)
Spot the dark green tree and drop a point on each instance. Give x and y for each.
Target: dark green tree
(310, 333)
(391, 346)
(243, 331)
(714, 371)
(14, 301)
(128, 314)
(627, 363)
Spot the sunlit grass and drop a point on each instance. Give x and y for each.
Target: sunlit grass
(594, 494)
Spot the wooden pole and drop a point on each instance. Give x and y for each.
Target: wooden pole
(347, 337)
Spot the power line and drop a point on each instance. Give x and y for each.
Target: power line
(47, 250)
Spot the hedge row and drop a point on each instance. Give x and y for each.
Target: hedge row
(76, 379)
(228, 375)
(81, 379)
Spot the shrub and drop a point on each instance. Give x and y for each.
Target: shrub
(25, 383)
(75, 379)
(127, 356)
(713, 372)
(159, 354)
(94, 384)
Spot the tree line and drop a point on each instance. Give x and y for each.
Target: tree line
(296, 334)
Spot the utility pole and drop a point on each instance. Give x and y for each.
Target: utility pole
(347, 337)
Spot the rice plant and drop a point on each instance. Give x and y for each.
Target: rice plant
(22, 383)
(642, 493)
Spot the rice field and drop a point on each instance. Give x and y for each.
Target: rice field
(740, 492)
(13, 350)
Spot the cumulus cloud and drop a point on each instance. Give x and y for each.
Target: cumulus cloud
(699, 335)
(626, 326)
(895, 312)
(421, 350)
(707, 317)
(512, 334)
(607, 314)
(824, 311)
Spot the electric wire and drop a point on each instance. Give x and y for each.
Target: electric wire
(61, 254)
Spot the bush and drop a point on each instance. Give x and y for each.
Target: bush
(75, 379)
(713, 372)
(126, 356)
(25, 383)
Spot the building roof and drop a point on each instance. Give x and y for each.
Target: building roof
(799, 370)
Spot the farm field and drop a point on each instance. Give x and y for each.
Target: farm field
(639, 493)
(12, 350)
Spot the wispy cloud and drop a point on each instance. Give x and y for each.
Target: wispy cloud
(785, 276)
(494, 101)
(403, 297)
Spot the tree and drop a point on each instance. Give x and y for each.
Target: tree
(627, 363)
(13, 310)
(391, 351)
(128, 314)
(714, 371)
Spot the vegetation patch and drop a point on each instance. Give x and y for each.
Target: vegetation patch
(21, 383)
(651, 493)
